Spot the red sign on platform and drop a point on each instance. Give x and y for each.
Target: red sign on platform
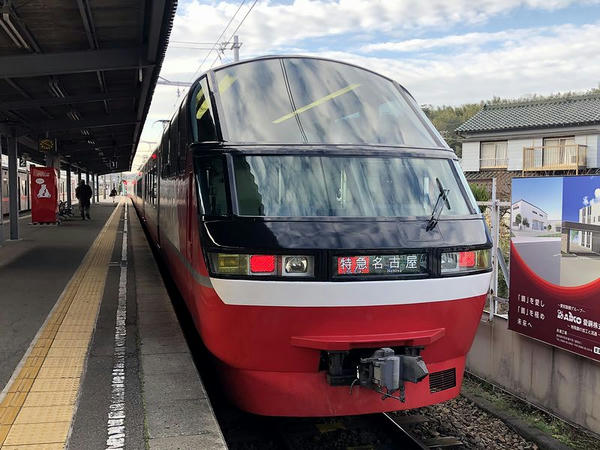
(44, 195)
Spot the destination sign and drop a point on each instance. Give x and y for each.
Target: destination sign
(382, 264)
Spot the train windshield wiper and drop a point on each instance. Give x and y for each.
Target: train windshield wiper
(439, 205)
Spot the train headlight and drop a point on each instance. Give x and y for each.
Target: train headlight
(295, 264)
(469, 261)
(262, 265)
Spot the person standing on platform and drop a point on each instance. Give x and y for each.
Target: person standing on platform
(113, 194)
(84, 195)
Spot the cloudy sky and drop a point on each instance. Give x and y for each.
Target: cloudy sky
(443, 51)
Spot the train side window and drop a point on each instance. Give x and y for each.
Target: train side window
(174, 146)
(203, 123)
(211, 175)
(165, 155)
(183, 140)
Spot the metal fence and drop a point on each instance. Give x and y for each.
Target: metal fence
(498, 262)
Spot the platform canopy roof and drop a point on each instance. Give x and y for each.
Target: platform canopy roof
(82, 72)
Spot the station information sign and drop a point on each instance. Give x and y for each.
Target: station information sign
(555, 262)
(44, 195)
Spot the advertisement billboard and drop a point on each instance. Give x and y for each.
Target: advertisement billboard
(555, 261)
(44, 195)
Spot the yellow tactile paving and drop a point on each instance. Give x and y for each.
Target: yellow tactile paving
(50, 398)
(38, 433)
(55, 384)
(43, 414)
(60, 372)
(21, 385)
(38, 407)
(70, 343)
(61, 352)
(34, 447)
(73, 335)
(61, 361)
(13, 399)
(4, 429)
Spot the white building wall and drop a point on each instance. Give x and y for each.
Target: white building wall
(593, 148)
(470, 156)
(515, 152)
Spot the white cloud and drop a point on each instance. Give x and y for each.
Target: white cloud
(458, 41)
(531, 60)
(540, 62)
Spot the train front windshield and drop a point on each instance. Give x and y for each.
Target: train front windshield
(334, 186)
(309, 186)
(304, 100)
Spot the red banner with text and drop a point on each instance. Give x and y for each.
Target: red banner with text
(555, 262)
(44, 195)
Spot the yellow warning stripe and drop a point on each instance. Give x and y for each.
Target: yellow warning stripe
(40, 402)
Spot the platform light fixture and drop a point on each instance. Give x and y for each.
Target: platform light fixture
(55, 88)
(14, 28)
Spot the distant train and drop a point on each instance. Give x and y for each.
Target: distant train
(323, 237)
(23, 185)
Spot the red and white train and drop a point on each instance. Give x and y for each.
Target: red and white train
(322, 235)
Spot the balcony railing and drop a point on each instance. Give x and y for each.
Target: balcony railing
(559, 157)
(493, 163)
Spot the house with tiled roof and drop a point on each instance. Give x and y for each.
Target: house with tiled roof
(559, 136)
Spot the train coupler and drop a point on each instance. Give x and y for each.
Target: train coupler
(385, 372)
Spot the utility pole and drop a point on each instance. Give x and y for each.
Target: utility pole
(236, 48)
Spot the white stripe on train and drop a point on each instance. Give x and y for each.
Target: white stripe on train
(356, 293)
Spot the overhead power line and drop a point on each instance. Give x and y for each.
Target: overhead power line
(236, 30)
(214, 47)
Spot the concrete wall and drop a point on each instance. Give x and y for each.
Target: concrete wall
(557, 380)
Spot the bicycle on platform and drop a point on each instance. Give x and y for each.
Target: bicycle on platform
(64, 210)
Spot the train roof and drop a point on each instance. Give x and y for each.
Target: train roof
(299, 56)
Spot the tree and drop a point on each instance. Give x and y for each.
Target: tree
(480, 193)
(549, 227)
(518, 220)
(446, 119)
(526, 222)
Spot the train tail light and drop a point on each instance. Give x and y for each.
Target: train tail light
(469, 261)
(466, 259)
(260, 265)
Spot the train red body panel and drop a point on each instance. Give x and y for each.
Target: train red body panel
(323, 237)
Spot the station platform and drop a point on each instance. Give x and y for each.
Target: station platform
(91, 353)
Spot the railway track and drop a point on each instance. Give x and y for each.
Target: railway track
(406, 439)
